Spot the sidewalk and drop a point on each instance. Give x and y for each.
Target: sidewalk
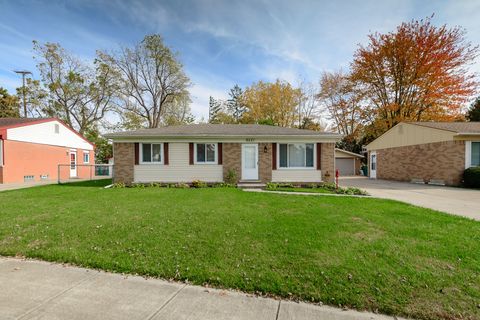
(32, 289)
(22, 185)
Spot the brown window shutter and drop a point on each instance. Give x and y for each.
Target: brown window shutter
(274, 156)
(165, 153)
(220, 153)
(190, 150)
(319, 156)
(137, 152)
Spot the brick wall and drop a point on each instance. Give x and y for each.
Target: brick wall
(358, 166)
(232, 159)
(328, 162)
(124, 157)
(440, 161)
(265, 162)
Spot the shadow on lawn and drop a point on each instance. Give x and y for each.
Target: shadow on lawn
(89, 183)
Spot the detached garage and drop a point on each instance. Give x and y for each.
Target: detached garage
(348, 163)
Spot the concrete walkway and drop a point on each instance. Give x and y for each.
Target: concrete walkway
(32, 289)
(457, 201)
(22, 185)
(299, 193)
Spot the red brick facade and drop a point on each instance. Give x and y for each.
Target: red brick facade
(328, 162)
(232, 160)
(124, 155)
(40, 162)
(433, 161)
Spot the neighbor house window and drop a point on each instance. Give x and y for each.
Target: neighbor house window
(86, 157)
(296, 155)
(475, 162)
(57, 128)
(1, 153)
(205, 152)
(151, 152)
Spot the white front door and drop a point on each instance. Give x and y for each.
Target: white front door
(249, 161)
(373, 165)
(73, 164)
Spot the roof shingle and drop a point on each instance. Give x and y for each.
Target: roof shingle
(214, 130)
(458, 127)
(6, 122)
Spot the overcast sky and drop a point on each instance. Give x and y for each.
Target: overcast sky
(221, 43)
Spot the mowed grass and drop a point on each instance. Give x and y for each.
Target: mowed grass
(360, 253)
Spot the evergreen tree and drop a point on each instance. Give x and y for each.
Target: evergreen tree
(473, 114)
(235, 106)
(215, 107)
(9, 106)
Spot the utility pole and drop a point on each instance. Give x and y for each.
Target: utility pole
(23, 73)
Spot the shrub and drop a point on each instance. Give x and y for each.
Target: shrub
(231, 177)
(222, 185)
(275, 186)
(181, 185)
(138, 185)
(155, 185)
(471, 177)
(119, 185)
(199, 184)
(271, 186)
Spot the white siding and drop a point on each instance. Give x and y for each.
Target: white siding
(178, 169)
(44, 133)
(296, 175)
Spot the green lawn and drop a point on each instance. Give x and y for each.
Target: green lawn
(361, 253)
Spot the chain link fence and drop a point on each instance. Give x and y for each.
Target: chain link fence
(83, 172)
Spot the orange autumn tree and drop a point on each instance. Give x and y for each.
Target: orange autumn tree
(271, 103)
(417, 73)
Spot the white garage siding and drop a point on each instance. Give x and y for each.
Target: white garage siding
(53, 133)
(345, 166)
(179, 169)
(297, 175)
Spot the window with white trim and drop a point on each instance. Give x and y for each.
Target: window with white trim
(296, 155)
(475, 156)
(205, 153)
(86, 157)
(151, 153)
(1, 153)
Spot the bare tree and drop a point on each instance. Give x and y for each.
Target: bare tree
(152, 79)
(309, 111)
(72, 90)
(342, 100)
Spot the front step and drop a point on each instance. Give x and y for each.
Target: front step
(250, 184)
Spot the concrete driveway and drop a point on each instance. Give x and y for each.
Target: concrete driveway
(458, 201)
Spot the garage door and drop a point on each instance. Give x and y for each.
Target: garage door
(345, 166)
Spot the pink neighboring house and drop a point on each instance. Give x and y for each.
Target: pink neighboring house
(32, 149)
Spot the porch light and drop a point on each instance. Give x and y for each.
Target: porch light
(265, 149)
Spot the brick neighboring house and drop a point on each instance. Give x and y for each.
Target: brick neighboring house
(435, 152)
(32, 149)
(211, 152)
